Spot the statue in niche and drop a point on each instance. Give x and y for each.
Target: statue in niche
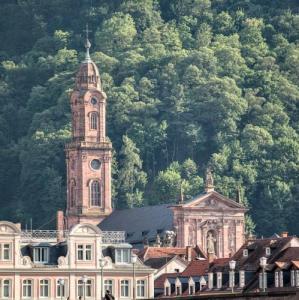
(211, 241)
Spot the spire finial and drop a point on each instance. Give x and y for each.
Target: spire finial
(238, 195)
(87, 44)
(181, 197)
(209, 183)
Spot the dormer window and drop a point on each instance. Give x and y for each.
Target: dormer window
(268, 251)
(122, 255)
(84, 252)
(245, 252)
(41, 255)
(191, 289)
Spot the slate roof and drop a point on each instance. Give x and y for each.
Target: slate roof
(157, 262)
(140, 221)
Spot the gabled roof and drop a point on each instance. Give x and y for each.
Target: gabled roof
(154, 252)
(211, 200)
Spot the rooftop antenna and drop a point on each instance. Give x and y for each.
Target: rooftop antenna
(31, 224)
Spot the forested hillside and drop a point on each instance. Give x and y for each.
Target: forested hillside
(190, 83)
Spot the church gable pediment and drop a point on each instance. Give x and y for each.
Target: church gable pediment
(213, 200)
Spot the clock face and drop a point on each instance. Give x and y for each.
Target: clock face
(94, 101)
(95, 164)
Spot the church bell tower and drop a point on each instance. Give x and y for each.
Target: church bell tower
(88, 155)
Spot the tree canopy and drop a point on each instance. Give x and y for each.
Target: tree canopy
(190, 83)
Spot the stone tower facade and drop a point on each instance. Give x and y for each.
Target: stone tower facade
(88, 155)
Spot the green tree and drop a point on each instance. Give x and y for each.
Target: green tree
(131, 178)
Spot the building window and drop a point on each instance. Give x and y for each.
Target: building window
(88, 288)
(263, 280)
(108, 285)
(124, 288)
(242, 279)
(245, 252)
(268, 251)
(281, 278)
(140, 288)
(95, 193)
(6, 288)
(41, 255)
(293, 281)
(211, 280)
(84, 252)
(93, 120)
(27, 288)
(219, 280)
(60, 289)
(276, 279)
(122, 255)
(297, 277)
(44, 288)
(5, 251)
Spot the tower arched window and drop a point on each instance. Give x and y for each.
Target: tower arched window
(93, 120)
(95, 193)
(73, 193)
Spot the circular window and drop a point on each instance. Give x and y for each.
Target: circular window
(94, 101)
(95, 164)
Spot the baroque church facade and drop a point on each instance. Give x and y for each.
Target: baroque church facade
(210, 220)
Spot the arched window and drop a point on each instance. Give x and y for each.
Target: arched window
(93, 120)
(95, 193)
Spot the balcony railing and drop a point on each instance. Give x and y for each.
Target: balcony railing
(108, 237)
(113, 237)
(42, 235)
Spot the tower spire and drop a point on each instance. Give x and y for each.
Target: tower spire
(209, 182)
(87, 44)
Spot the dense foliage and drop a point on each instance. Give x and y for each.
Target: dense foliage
(190, 83)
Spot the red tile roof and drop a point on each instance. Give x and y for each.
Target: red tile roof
(196, 268)
(154, 252)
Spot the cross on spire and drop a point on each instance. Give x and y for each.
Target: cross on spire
(87, 44)
(87, 31)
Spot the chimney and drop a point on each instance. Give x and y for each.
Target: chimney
(60, 225)
(284, 234)
(189, 253)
